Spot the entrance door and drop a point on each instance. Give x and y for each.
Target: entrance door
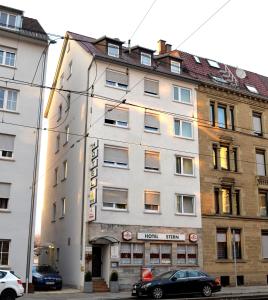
(96, 261)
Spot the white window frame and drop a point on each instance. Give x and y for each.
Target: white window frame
(8, 16)
(180, 135)
(117, 122)
(1, 252)
(182, 168)
(114, 163)
(213, 63)
(65, 170)
(152, 210)
(259, 117)
(10, 153)
(175, 67)
(63, 207)
(252, 89)
(4, 58)
(193, 202)
(113, 206)
(5, 103)
(113, 46)
(180, 88)
(144, 57)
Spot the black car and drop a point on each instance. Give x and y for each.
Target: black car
(45, 277)
(178, 282)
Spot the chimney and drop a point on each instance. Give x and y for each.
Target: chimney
(168, 47)
(161, 45)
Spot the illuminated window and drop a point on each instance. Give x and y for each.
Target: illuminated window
(224, 158)
(226, 200)
(113, 50)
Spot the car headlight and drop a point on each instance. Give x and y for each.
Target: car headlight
(146, 285)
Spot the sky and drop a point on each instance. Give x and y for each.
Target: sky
(236, 35)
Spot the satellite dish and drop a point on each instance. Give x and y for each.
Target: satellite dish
(240, 73)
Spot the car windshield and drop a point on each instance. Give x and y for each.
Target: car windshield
(44, 269)
(165, 275)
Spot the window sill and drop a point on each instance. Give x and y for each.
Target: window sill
(184, 175)
(154, 132)
(183, 137)
(185, 215)
(151, 95)
(7, 159)
(115, 167)
(5, 211)
(151, 212)
(112, 125)
(9, 67)
(114, 209)
(117, 88)
(180, 102)
(152, 171)
(9, 111)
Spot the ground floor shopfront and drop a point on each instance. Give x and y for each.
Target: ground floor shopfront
(242, 238)
(126, 249)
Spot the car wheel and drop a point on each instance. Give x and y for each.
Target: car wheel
(157, 293)
(206, 291)
(8, 295)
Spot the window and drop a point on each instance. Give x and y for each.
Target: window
(257, 124)
(152, 201)
(160, 254)
(152, 161)
(215, 156)
(63, 207)
(6, 146)
(8, 99)
(151, 87)
(217, 200)
(197, 59)
(56, 176)
(61, 80)
(260, 163)
(65, 170)
(115, 156)
(146, 59)
(114, 198)
(184, 165)
(252, 89)
(67, 133)
(237, 203)
(59, 112)
(234, 160)
(131, 254)
(175, 67)
(8, 20)
(226, 200)
(263, 203)
(116, 79)
(7, 58)
(221, 243)
(54, 212)
(232, 122)
(222, 121)
(183, 128)
(116, 116)
(264, 240)
(212, 113)
(57, 143)
(113, 50)
(4, 195)
(224, 157)
(70, 69)
(186, 254)
(151, 122)
(182, 94)
(4, 252)
(68, 104)
(218, 79)
(185, 204)
(236, 243)
(213, 63)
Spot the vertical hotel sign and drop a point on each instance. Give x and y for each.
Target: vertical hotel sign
(93, 175)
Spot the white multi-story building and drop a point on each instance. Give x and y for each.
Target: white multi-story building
(22, 44)
(122, 179)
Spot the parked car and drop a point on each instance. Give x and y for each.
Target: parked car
(178, 282)
(10, 285)
(45, 277)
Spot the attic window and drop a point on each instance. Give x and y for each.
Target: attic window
(7, 20)
(146, 59)
(252, 89)
(219, 79)
(113, 50)
(175, 67)
(213, 64)
(197, 59)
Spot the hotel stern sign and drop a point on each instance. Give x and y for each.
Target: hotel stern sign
(161, 236)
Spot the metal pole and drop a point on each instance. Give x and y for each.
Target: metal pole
(234, 251)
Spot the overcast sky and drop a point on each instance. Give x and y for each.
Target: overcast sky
(237, 35)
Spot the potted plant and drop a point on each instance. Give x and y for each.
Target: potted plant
(88, 285)
(114, 284)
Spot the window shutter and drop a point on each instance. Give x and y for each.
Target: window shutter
(152, 198)
(260, 164)
(7, 142)
(116, 114)
(119, 155)
(151, 86)
(115, 76)
(115, 196)
(151, 120)
(265, 245)
(5, 190)
(152, 160)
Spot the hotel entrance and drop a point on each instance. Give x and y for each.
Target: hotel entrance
(96, 260)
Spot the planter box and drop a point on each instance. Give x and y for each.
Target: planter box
(88, 287)
(114, 286)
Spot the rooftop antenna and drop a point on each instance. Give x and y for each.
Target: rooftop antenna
(240, 73)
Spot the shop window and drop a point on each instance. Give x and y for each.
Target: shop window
(186, 254)
(160, 254)
(131, 253)
(240, 280)
(225, 280)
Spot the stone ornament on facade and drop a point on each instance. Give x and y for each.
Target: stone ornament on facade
(127, 235)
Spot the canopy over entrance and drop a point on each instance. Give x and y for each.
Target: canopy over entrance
(104, 240)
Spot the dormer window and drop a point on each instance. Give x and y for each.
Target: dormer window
(7, 20)
(113, 50)
(213, 64)
(219, 79)
(252, 89)
(146, 59)
(175, 67)
(197, 59)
